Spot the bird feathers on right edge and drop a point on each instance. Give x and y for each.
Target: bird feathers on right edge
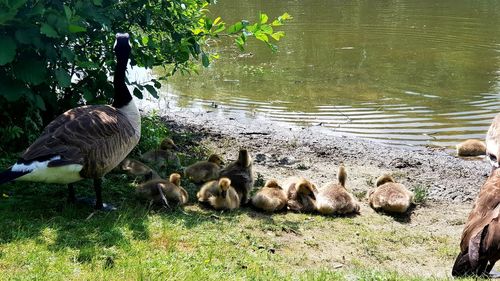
(481, 235)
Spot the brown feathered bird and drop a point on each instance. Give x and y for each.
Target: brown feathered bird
(301, 194)
(270, 198)
(471, 147)
(163, 192)
(241, 175)
(480, 244)
(334, 199)
(84, 142)
(390, 196)
(204, 171)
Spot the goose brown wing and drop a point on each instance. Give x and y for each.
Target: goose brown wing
(98, 137)
(484, 208)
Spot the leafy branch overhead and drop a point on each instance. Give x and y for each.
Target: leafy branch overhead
(58, 54)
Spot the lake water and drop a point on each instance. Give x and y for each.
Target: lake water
(420, 72)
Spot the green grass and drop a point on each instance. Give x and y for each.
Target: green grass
(44, 238)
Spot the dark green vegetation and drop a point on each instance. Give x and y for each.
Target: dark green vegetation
(58, 54)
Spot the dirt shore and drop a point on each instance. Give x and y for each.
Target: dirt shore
(281, 150)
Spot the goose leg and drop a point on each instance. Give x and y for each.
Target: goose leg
(99, 205)
(71, 193)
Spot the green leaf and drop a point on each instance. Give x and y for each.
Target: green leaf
(39, 102)
(261, 36)
(27, 36)
(68, 54)
(156, 83)
(204, 60)
(278, 35)
(48, 31)
(97, 2)
(235, 28)
(145, 40)
(67, 12)
(12, 90)
(240, 43)
(267, 29)
(63, 78)
(8, 46)
(138, 93)
(263, 18)
(75, 28)
(219, 29)
(152, 90)
(30, 71)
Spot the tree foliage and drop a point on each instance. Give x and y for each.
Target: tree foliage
(58, 54)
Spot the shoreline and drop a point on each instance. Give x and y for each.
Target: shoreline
(280, 150)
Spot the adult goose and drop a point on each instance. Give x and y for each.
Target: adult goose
(481, 236)
(493, 142)
(84, 142)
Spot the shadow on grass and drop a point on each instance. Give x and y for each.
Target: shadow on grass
(28, 210)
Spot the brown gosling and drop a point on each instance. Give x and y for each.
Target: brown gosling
(271, 198)
(471, 147)
(390, 196)
(481, 235)
(204, 171)
(241, 175)
(163, 192)
(334, 199)
(301, 194)
(165, 156)
(219, 194)
(138, 169)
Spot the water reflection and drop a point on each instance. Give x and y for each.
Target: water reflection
(417, 72)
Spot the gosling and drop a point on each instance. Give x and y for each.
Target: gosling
(219, 194)
(204, 171)
(471, 147)
(240, 174)
(390, 196)
(271, 198)
(301, 194)
(163, 157)
(138, 169)
(162, 192)
(334, 199)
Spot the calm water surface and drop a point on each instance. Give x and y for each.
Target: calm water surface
(406, 72)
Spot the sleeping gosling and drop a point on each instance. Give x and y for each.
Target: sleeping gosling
(270, 198)
(138, 169)
(219, 194)
(334, 199)
(240, 174)
(301, 194)
(471, 147)
(163, 157)
(162, 192)
(389, 196)
(204, 171)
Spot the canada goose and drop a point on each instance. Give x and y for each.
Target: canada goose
(481, 235)
(137, 168)
(271, 198)
(219, 194)
(240, 174)
(334, 198)
(301, 194)
(203, 171)
(165, 156)
(390, 196)
(84, 142)
(163, 192)
(493, 142)
(471, 147)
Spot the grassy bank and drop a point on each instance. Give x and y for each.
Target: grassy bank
(44, 238)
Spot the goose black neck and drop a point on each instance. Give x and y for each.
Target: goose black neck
(122, 96)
